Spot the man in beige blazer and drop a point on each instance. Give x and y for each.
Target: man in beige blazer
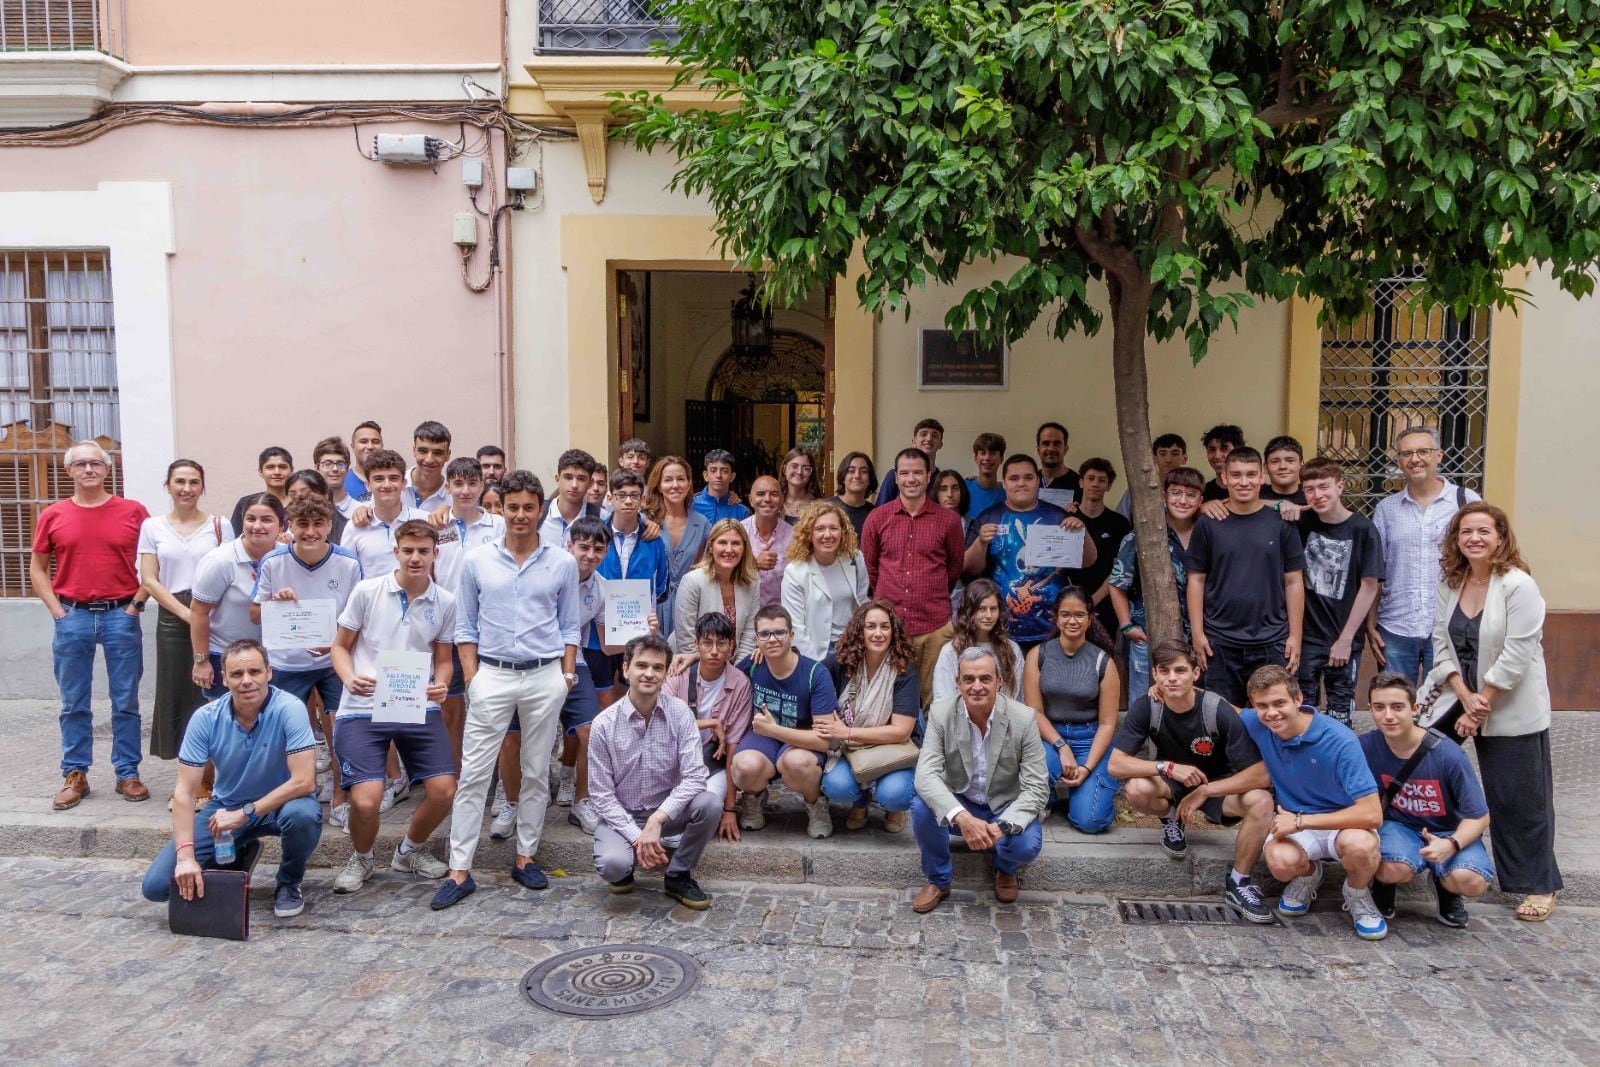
(981, 775)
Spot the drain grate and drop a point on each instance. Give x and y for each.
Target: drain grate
(1164, 912)
(614, 980)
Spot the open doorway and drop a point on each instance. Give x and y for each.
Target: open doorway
(684, 390)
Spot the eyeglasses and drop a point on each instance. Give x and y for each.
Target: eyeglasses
(710, 645)
(1417, 453)
(625, 498)
(1073, 615)
(87, 465)
(334, 465)
(772, 635)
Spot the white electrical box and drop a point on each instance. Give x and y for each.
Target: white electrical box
(472, 173)
(465, 230)
(521, 179)
(404, 148)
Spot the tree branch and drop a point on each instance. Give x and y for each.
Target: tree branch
(1283, 114)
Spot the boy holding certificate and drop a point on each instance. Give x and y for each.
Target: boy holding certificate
(404, 612)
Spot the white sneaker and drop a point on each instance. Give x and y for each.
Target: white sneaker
(1297, 896)
(324, 757)
(505, 822)
(584, 815)
(751, 817)
(1365, 914)
(566, 788)
(394, 791)
(819, 820)
(325, 789)
(420, 862)
(339, 817)
(355, 874)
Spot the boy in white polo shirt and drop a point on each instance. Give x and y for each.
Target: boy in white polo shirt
(403, 611)
(425, 483)
(467, 527)
(370, 532)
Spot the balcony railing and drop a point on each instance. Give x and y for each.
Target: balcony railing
(63, 26)
(603, 26)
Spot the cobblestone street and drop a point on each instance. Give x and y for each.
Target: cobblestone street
(797, 974)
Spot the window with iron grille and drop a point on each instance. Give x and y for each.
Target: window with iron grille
(58, 384)
(1404, 364)
(62, 26)
(602, 25)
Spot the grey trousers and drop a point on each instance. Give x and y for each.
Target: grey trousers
(613, 855)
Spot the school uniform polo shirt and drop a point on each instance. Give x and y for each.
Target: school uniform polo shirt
(387, 619)
(460, 536)
(373, 544)
(439, 498)
(334, 577)
(249, 763)
(225, 578)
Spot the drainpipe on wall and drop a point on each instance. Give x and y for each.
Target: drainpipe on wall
(502, 279)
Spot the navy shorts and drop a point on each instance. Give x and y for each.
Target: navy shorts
(604, 670)
(458, 685)
(772, 748)
(362, 747)
(301, 684)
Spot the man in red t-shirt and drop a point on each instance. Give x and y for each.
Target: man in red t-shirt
(96, 600)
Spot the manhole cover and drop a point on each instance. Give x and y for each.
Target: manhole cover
(614, 980)
(1194, 912)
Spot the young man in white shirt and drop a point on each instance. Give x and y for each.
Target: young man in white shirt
(467, 527)
(574, 469)
(492, 461)
(370, 531)
(425, 488)
(332, 461)
(403, 611)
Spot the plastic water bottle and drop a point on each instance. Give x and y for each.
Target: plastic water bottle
(222, 848)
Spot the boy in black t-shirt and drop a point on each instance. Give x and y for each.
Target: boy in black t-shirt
(1107, 528)
(1344, 570)
(1244, 588)
(1285, 459)
(1220, 441)
(1204, 760)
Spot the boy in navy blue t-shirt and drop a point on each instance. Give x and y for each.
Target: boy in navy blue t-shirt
(1328, 806)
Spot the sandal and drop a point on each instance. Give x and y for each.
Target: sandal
(1529, 912)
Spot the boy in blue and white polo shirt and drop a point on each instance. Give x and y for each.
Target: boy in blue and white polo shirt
(370, 532)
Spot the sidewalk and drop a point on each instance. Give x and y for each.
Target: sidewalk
(1127, 860)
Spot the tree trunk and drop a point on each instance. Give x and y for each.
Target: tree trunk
(1130, 303)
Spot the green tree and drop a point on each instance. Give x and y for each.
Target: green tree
(1191, 157)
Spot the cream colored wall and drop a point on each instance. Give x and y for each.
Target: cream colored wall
(182, 32)
(1556, 516)
(1243, 380)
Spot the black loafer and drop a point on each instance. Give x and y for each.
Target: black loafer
(530, 876)
(686, 891)
(452, 892)
(622, 885)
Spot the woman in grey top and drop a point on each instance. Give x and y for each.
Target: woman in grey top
(1071, 683)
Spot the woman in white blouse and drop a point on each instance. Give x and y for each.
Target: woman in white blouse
(1489, 683)
(724, 581)
(826, 579)
(171, 546)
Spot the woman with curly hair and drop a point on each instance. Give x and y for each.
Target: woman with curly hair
(980, 621)
(1072, 684)
(669, 502)
(725, 581)
(875, 675)
(826, 579)
(800, 483)
(1488, 683)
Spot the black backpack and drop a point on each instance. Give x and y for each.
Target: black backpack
(1210, 710)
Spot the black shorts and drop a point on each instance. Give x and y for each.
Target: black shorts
(1211, 806)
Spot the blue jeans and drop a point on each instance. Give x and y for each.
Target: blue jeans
(218, 687)
(298, 824)
(1011, 854)
(1138, 670)
(893, 791)
(76, 635)
(1092, 806)
(1410, 656)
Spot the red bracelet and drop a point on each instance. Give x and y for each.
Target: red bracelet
(186, 844)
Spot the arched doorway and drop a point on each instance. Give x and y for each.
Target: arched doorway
(761, 411)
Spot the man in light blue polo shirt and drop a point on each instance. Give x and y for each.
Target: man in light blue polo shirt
(259, 740)
(1328, 803)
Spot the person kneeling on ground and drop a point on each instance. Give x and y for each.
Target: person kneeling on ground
(1434, 813)
(647, 778)
(1205, 761)
(1328, 806)
(259, 740)
(981, 775)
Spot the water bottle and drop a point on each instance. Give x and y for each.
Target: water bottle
(222, 848)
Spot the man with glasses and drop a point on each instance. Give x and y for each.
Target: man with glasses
(333, 463)
(791, 693)
(94, 599)
(1411, 524)
(722, 702)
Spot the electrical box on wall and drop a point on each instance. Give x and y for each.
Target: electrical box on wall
(404, 148)
(521, 179)
(472, 173)
(465, 230)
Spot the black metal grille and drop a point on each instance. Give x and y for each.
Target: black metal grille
(1405, 364)
(602, 25)
(1165, 912)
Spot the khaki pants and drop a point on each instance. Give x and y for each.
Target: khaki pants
(927, 647)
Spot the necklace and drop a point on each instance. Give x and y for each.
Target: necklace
(1477, 581)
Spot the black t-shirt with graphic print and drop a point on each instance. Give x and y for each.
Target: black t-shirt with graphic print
(1338, 556)
(1183, 738)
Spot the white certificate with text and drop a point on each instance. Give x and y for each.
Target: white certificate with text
(401, 694)
(1054, 546)
(299, 623)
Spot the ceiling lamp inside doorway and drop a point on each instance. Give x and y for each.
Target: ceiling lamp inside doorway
(752, 328)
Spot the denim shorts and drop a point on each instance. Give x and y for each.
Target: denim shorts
(362, 747)
(772, 748)
(1402, 844)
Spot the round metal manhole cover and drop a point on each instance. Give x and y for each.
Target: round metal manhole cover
(614, 980)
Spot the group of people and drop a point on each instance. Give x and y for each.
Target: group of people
(897, 644)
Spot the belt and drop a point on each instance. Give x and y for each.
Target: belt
(517, 665)
(96, 605)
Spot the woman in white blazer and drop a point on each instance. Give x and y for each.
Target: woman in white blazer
(1489, 683)
(723, 582)
(826, 579)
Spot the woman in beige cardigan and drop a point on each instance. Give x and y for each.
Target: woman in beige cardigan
(1489, 684)
(723, 582)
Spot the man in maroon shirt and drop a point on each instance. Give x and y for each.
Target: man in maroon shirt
(914, 552)
(95, 600)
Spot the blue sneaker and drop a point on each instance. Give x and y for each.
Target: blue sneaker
(451, 892)
(289, 902)
(530, 876)
(1297, 896)
(1364, 912)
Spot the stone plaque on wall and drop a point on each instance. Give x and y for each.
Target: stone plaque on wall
(949, 360)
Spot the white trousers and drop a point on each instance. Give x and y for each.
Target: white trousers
(535, 697)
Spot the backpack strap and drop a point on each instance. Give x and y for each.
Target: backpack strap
(692, 694)
(1430, 741)
(1461, 497)
(216, 528)
(1210, 711)
(1157, 711)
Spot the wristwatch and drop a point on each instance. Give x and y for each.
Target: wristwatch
(201, 657)
(249, 810)
(572, 679)
(1059, 743)
(139, 605)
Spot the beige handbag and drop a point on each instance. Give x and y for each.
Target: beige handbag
(871, 762)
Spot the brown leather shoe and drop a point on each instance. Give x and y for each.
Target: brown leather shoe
(930, 897)
(133, 790)
(73, 789)
(1005, 888)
